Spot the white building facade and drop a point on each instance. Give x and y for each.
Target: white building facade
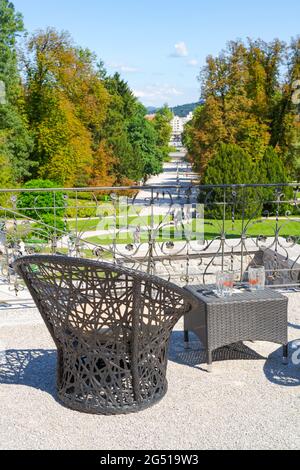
(178, 124)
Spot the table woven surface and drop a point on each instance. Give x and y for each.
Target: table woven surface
(206, 294)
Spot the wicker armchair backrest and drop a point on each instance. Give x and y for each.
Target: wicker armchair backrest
(124, 315)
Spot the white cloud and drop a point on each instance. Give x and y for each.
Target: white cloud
(123, 68)
(193, 62)
(127, 68)
(157, 93)
(180, 50)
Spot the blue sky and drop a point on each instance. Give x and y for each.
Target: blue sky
(158, 46)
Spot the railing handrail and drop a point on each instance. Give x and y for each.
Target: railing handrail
(171, 215)
(149, 187)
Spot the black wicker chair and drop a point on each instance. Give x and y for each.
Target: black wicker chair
(111, 326)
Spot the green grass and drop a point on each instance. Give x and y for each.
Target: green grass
(266, 228)
(86, 252)
(212, 230)
(105, 240)
(97, 224)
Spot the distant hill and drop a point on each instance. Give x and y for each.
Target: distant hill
(181, 111)
(184, 109)
(151, 109)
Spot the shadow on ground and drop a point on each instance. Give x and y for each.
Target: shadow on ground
(37, 367)
(31, 367)
(293, 325)
(274, 370)
(195, 356)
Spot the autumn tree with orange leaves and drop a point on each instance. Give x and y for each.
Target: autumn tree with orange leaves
(247, 103)
(88, 127)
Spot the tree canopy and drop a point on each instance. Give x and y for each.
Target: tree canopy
(247, 102)
(64, 118)
(15, 138)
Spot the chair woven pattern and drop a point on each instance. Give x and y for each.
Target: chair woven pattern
(111, 326)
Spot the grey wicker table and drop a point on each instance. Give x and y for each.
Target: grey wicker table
(253, 316)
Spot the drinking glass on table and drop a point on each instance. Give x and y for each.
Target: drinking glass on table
(257, 277)
(224, 282)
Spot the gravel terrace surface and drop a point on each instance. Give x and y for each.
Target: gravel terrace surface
(250, 401)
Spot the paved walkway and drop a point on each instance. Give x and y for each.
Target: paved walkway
(176, 172)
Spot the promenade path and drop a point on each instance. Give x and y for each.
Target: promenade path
(176, 172)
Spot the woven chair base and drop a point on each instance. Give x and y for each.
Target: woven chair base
(76, 404)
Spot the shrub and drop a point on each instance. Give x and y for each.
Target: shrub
(81, 208)
(231, 165)
(52, 225)
(39, 205)
(272, 170)
(84, 205)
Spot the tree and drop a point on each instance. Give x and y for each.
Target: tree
(102, 171)
(5, 174)
(11, 27)
(69, 120)
(271, 167)
(163, 129)
(64, 146)
(66, 104)
(6, 177)
(243, 105)
(272, 170)
(231, 165)
(146, 144)
(17, 143)
(135, 143)
(88, 126)
(36, 204)
(285, 118)
(128, 166)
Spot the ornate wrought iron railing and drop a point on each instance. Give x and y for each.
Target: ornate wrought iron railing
(183, 232)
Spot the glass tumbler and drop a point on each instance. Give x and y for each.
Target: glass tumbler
(257, 277)
(224, 282)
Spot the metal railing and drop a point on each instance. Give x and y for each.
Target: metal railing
(182, 232)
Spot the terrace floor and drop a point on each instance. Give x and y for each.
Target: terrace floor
(250, 401)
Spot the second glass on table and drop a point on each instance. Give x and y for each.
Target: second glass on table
(257, 277)
(224, 281)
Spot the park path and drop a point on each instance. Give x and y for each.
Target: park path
(175, 172)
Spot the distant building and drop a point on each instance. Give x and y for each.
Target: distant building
(189, 117)
(150, 117)
(178, 124)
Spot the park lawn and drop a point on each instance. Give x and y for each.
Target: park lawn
(122, 239)
(212, 230)
(84, 224)
(85, 252)
(107, 222)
